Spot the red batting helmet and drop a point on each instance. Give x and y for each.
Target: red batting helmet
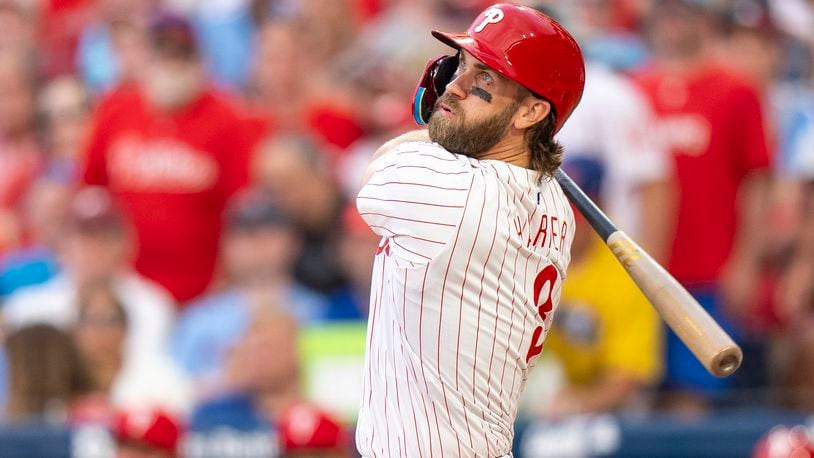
(529, 48)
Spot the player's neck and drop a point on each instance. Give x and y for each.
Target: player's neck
(511, 149)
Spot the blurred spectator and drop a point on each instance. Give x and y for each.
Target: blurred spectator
(357, 246)
(145, 379)
(259, 250)
(60, 23)
(226, 32)
(328, 28)
(95, 245)
(263, 411)
(794, 102)
(277, 87)
(172, 152)
(129, 40)
(370, 85)
(109, 31)
(752, 42)
(753, 46)
(273, 385)
(383, 38)
(46, 375)
(43, 213)
(332, 114)
(711, 121)
(16, 22)
(20, 156)
(602, 27)
(795, 291)
(319, 104)
(613, 125)
(607, 366)
(263, 380)
(795, 299)
(294, 172)
(99, 336)
(756, 48)
(65, 108)
(146, 433)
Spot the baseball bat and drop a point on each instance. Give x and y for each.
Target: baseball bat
(700, 333)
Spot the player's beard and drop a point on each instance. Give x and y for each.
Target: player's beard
(470, 139)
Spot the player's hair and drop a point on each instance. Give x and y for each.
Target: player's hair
(546, 153)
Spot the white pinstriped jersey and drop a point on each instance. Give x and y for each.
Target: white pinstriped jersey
(466, 278)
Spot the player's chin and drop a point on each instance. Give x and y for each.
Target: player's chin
(440, 127)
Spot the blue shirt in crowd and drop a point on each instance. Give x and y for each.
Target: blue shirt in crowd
(210, 327)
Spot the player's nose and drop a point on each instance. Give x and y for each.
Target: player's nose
(456, 86)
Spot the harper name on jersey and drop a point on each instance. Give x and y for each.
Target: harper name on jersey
(465, 283)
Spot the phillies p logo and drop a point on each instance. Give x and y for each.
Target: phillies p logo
(492, 16)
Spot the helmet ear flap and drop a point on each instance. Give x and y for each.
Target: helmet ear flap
(444, 72)
(437, 74)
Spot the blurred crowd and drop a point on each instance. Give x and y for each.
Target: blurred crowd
(176, 205)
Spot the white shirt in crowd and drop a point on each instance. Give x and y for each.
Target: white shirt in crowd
(149, 308)
(466, 278)
(152, 380)
(614, 125)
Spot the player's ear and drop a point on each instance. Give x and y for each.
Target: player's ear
(531, 111)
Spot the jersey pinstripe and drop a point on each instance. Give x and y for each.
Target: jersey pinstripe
(466, 278)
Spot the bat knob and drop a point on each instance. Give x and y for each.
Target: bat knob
(727, 362)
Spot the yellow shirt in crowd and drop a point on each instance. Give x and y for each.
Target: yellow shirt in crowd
(604, 323)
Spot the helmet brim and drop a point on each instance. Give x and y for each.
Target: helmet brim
(453, 40)
(467, 43)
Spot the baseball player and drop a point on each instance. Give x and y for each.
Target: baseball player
(475, 240)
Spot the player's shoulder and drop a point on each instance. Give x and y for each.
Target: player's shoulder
(419, 153)
(425, 162)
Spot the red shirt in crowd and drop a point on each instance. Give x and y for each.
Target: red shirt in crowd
(173, 175)
(712, 122)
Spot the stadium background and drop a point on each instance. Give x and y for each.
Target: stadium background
(181, 265)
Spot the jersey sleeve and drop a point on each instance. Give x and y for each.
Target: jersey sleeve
(416, 198)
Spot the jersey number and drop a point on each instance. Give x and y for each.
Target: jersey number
(548, 275)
